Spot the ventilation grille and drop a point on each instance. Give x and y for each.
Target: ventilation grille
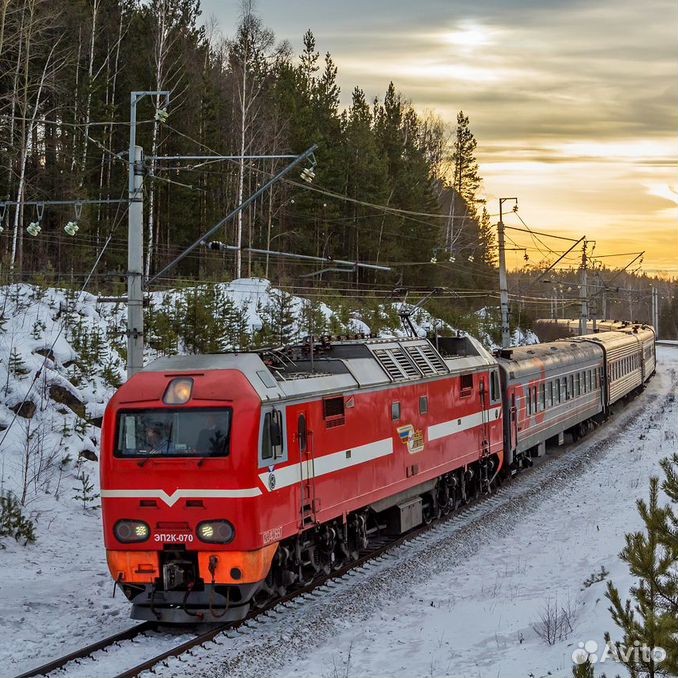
(426, 359)
(396, 363)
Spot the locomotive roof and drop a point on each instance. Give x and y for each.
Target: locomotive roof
(339, 366)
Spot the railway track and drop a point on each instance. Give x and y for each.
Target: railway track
(377, 548)
(375, 552)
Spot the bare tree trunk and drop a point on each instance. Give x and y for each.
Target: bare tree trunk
(17, 238)
(160, 56)
(90, 85)
(25, 147)
(76, 101)
(241, 167)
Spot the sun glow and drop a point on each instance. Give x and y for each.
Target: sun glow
(469, 36)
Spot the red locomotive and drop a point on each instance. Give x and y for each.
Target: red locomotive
(228, 479)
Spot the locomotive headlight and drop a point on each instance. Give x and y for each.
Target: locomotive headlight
(178, 392)
(128, 531)
(216, 531)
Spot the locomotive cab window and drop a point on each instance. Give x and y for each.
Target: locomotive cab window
(174, 433)
(466, 384)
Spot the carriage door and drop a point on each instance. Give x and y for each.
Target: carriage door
(307, 473)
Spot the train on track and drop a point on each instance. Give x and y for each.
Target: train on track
(228, 480)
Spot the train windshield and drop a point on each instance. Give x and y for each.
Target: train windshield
(174, 433)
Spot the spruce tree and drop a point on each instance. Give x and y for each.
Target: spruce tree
(648, 619)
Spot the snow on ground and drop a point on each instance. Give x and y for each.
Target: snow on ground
(460, 612)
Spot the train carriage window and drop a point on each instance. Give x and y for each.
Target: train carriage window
(529, 401)
(578, 385)
(423, 404)
(535, 402)
(542, 395)
(550, 394)
(564, 389)
(571, 388)
(395, 411)
(466, 384)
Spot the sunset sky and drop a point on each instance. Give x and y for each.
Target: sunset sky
(573, 103)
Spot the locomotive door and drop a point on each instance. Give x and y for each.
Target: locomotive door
(307, 500)
(485, 418)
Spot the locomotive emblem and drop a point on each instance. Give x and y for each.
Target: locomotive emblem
(413, 438)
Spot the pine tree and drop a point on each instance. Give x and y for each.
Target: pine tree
(85, 492)
(466, 176)
(12, 521)
(16, 364)
(583, 670)
(649, 619)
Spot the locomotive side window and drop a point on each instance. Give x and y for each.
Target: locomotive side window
(466, 384)
(395, 411)
(272, 438)
(333, 407)
(423, 405)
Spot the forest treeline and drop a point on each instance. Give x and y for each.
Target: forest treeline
(67, 68)
(394, 186)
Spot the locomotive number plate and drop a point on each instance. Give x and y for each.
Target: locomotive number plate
(272, 535)
(173, 538)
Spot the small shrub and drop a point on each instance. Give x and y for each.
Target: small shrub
(595, 577)
(84, 492)
(13, 523)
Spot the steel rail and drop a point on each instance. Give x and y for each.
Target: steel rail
(56, 664)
